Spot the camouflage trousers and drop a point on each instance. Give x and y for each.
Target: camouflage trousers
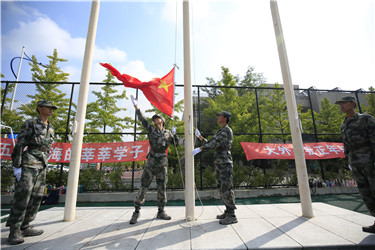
(224, 181)
(365, 178)
(28, 195)
(155, 166)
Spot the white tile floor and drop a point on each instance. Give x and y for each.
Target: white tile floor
(273, 226)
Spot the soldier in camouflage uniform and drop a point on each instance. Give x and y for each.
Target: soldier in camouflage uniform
(222, 143)
(157, 163)
(30, 170)
(358, 135)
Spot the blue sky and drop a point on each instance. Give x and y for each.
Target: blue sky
(330, 43)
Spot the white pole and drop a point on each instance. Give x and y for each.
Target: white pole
(295, 129)
(188, 118)
(18, 75)
(72, 187)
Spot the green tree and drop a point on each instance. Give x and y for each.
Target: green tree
(274, 115)
(370, 98)
(103, 114)
(53, 177)
(115, 178)
(10, 118)
(328, 120)
(306, 120)
(240, 102)
(91, 178)
(47, 83)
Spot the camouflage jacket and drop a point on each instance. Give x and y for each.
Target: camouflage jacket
(222, 143)
(358, 135)
(159, 139)
(38, 138)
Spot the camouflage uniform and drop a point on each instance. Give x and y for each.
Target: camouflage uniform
(222, 142)
(157, 163)
(38, 138)
(358, 134)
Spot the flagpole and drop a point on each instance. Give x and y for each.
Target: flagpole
(303, 183)
(79, 121)
(188, 118)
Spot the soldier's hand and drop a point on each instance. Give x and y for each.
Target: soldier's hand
(17, 173)
(196, 151)
(134, 101)
(173, 130)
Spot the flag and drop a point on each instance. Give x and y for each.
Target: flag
(159, 91)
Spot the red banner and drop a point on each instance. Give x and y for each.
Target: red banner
(313, 151)
(91, 152)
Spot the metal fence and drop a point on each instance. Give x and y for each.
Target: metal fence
(308, 99)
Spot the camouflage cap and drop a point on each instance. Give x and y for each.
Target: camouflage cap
(45, 103)
(157, 116)
(226, 114)
(346, 99)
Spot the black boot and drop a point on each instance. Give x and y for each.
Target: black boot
(29, 230)
(162, 215)
(369, 229)
(15, 236)
(135, 215)
(230, 218)
(222, 216)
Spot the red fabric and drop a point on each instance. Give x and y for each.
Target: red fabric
(313, 151)
(91, 152)
(159, 91)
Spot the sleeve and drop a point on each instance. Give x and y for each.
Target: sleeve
(174, 139)
(216, 141)
(371, 132)
(22, 141)
(144, 121)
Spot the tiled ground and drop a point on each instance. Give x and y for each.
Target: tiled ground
(271, 226)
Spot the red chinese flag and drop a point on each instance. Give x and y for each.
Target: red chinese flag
(159, 91)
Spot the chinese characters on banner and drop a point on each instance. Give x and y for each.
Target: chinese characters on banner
(91, 152)
(313, 151)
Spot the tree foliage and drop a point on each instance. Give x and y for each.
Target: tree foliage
(274, 115)
(103, 115)
(370, 98)
(240, 102)
(328, 120)
(48, 89)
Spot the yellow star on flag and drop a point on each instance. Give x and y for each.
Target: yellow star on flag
(164, 85)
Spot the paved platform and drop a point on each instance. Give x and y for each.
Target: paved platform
(271, 226)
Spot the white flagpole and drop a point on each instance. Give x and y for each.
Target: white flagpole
(188, 118)
(303, 183)
(79, 121)
(18, 75)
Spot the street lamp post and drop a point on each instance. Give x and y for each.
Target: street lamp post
(18, 73)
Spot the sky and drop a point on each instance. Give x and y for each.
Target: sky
(330, 43)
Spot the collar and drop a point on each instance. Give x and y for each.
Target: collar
(354, 117)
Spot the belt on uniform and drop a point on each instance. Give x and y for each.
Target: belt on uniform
(41, 148)
(157, 154)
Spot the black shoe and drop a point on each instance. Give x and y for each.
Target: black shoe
(229, 219)
(369, 229)
(15, 237)
(221, 216)
(31, 231)
(162, 215)
(135, 217)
